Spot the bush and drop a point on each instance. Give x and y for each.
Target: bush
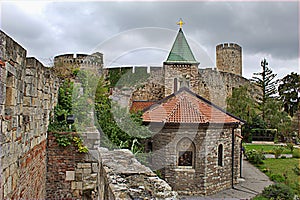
(278, 191)
(277, 151)
(277, 178)
(296, 153)
(290, 146)
(296, 170)
(255, 157)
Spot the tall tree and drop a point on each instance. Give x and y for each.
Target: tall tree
(289, 89)
(266, 81)
(243, 105)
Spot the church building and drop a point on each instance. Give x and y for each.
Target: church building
(196, 144)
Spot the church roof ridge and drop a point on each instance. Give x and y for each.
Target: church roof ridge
(184, 106)
(181, 51)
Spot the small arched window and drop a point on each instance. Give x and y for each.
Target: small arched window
(220, 155)
(185, 153)
(175, 86)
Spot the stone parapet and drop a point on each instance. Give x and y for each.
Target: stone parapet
(123, 177)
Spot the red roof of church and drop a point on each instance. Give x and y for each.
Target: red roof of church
(2, 63)
(185, 106)
(140, 105)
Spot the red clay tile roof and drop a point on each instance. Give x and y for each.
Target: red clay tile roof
(2, 63)
(140, 105)
(185, 106)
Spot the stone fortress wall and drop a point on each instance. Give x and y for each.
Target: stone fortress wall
(28, 92)
(32, 165)
(211, 83)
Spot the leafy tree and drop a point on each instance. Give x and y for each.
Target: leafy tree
(276, 118)
(120, 129)
(265, 80)
(243, 105)
(289, 89)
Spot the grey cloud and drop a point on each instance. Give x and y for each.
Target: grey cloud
(259, 27)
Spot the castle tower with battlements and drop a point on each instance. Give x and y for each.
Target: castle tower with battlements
(229, 58)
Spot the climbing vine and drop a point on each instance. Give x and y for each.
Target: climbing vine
(68, 139)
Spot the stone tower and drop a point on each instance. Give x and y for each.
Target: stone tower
(229, 58)
(181, 67)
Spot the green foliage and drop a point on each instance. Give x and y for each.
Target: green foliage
(79, 143)
(62, 109)
(296, 153)
(283, 167)
(259, 197)
(277, 150)
(266, 148)
(290, 146)
(63, 139)
(278, 191)
(265, 80)
(255, 157)
(288, 89)
(296, 170)
(158, 173)
(124, 77)
(120, 128)
(278, 178)
(243, 105)
(67, 139)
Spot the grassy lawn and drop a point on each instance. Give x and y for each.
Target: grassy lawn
(283, 167)
(266, 148)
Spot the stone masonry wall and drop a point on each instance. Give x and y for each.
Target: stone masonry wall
(206, 176)
(28, 92)
(122, 177)
(216, 86)
(180, 72)
(70, 174)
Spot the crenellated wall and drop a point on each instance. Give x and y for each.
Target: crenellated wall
(28, 92)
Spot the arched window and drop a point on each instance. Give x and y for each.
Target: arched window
(220, 155)
(185, 152)
(175, 86)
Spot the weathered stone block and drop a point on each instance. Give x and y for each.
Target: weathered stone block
(70, 175)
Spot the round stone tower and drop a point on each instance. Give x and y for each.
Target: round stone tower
(229, 58)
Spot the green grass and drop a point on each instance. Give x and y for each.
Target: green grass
(266, 148)
(283, 167)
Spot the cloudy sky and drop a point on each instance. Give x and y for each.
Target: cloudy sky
(142, 33)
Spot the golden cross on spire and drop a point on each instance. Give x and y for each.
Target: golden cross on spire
(180, 23)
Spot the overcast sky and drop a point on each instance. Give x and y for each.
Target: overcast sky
(143, 33)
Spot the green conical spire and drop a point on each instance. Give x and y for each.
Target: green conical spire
(181, 51)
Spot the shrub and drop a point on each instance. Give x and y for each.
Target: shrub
(255, 157)
(277, 151)
(277, 178)
(296, 153)
(283, 157)
(296, 170)
(290, 146)
(278, 191)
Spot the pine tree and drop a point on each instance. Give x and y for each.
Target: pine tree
(265, 80)
(289, 90)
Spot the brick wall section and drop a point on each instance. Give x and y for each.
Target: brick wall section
(70, 174)
(28, 92)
